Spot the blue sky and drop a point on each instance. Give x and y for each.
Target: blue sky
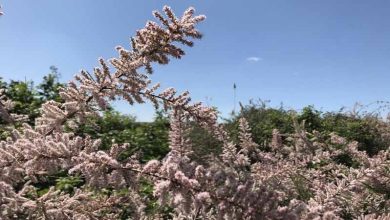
(329, 54)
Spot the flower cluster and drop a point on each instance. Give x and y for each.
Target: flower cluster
(299, 176)
(126, 80)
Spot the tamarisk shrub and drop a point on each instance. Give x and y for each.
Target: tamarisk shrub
(299, 177)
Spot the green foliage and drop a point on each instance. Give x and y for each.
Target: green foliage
(28, 98)
(203, 143)
(49, 88)
(68, 183)
(149, 138)
(303, 189)
(24, 97)
(312, 118)
(346, 160)
(366, 129)
(262, 120)
(152, 138)
(61, 181)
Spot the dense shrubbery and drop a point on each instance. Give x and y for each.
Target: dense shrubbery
(367, 129)
(27, 99)
(76, 158)
(150, 139)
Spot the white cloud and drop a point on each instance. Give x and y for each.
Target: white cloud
(254, 59)
(296, 74)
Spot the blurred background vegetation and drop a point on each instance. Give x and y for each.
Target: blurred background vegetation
(150, 139)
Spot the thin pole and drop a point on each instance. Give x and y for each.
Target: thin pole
(234, 97)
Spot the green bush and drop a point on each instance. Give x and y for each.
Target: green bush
(148, 138)
(369, 130)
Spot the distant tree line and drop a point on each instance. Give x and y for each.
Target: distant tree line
(151, 138)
